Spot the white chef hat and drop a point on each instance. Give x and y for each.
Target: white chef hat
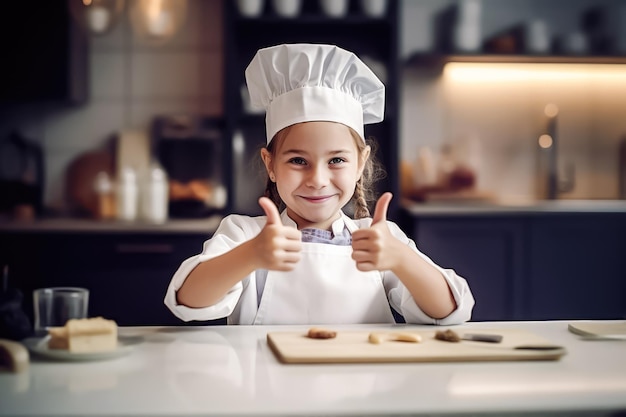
(312, 82)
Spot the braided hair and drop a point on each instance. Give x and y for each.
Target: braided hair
(363, 191)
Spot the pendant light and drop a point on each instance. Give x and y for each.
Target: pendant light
(157, 20)
(97, 17)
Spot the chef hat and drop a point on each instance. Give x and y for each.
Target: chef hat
(311, 82)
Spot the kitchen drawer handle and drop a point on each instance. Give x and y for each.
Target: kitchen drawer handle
(129, 248)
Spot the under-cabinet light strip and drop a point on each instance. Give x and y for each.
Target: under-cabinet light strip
(505, 72)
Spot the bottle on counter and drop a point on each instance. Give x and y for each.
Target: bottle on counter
(424, 168)
(154, 194)
(127, 193)
(105, 198)
(447, 163)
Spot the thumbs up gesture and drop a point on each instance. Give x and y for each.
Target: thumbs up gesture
(373, 248)
(277, 246)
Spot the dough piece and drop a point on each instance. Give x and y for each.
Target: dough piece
(318, 333)
(85, 335)
(378, 338)
(407, 337)
(447, 336)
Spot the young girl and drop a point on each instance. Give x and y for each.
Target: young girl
(312, 264)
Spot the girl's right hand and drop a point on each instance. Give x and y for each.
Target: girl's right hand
(277, 246)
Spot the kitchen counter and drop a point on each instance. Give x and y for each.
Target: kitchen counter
(230, 370)
(204, 226)
(512, 208)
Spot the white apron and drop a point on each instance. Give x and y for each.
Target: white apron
(324, 288)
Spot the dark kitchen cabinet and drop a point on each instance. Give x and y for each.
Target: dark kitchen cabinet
(127, 273)
(577, 267)
(486, 252)
(533, 266)
(373, 39)
(45, 54)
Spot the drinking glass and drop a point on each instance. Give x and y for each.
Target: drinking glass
(54, 306)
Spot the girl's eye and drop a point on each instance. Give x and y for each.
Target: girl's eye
(336, 161)
(297, 161)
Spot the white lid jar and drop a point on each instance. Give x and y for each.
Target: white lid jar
(155, 195)
(127, 195)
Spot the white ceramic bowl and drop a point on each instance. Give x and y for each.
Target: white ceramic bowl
(287, 8)
(374, 8)
(250, 8)
(334, 8)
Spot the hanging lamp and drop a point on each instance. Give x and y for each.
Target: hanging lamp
(157, 20)
(97, 17)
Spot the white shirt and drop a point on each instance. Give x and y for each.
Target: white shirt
(241, 302)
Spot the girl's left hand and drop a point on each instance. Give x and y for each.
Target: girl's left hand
(376, 248)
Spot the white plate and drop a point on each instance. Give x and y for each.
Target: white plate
(39, 346)
(598, 330)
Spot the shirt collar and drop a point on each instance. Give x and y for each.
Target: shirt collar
(337, 227)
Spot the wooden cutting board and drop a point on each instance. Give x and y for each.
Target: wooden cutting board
(354, 347)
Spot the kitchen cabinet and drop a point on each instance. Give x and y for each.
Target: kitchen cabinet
(45, 54)
(532, 266)
(577, 267)
(127, 273)
(374, 39)
(486, 252)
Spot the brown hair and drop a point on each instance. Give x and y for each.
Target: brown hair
(363, 191)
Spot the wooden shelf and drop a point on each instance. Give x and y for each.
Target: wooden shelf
(312, 19)
(437, 61)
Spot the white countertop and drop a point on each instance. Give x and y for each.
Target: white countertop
(230, 370)
(515, 208)
(65, 225)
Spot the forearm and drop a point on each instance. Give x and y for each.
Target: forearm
(426, 284)
(209, 281)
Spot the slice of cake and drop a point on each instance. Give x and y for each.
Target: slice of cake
(85, 335)
(58, 338)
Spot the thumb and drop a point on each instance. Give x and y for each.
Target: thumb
(271, 211)
(380, 212)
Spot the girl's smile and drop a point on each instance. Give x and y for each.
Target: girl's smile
(319, 199)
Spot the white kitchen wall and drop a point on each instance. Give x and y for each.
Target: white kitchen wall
(504, 119)
(131, 80)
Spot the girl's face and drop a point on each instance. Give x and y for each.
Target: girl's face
(315, 167)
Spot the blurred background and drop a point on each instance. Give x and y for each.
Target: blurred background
(136, 112)
(140, 84)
